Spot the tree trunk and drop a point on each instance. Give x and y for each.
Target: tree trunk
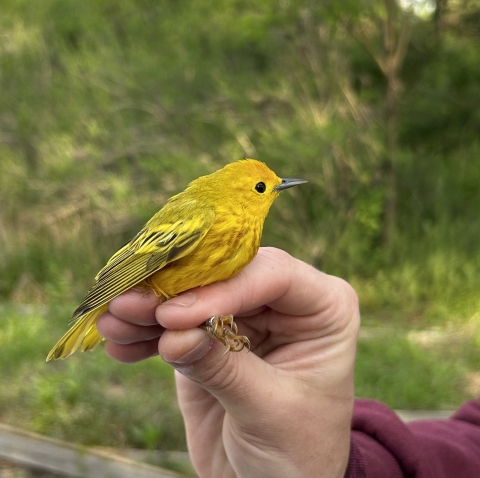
(391, 117)
(395, 46)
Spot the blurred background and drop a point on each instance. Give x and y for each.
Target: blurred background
(108, 107)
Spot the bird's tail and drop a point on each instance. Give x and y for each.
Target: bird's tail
(83, 333)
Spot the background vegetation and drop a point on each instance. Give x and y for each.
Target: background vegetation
(109, 107)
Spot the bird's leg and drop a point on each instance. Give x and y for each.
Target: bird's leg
(223, 328)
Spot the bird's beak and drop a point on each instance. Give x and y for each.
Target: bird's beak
(288, 183)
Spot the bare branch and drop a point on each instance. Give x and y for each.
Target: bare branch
(402, 45)
(378, 59)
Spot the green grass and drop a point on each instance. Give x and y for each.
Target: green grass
(89, 398)
(433, 369)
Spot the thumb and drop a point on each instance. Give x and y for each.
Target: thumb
(239, 381)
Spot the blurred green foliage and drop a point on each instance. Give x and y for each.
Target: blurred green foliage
(109, 107)
(89, 399)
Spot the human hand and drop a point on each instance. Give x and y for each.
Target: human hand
(282, 410)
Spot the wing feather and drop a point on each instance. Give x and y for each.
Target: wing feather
(159, 243)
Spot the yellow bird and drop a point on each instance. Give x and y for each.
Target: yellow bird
(207, 233)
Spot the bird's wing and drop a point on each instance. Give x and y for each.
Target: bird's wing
(156, 245)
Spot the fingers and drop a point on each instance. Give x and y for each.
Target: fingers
(305, 308)
(132, 353)
(136, 306)
(130, 326)
(122, 332)
(274, 278)
(127, 342)
(238, 380)
(288, 287)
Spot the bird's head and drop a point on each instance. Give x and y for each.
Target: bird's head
(248, 183)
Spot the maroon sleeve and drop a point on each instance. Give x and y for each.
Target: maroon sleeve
(383, 446)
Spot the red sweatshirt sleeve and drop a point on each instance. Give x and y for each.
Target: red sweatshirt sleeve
(383, 446)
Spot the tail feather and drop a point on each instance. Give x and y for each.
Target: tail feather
(92, 338)
(83, 332)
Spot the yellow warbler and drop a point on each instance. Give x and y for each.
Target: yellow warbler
(207, 233)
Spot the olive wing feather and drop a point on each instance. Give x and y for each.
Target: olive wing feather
(159, 243)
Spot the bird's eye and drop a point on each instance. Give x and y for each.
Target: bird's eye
(260, 187)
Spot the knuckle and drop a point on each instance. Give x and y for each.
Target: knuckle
(349, 293)
(277, 256)
(347, 303)
(224, 377)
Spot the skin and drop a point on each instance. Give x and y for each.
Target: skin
(282, 410)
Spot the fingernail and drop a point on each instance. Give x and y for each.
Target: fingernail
(183, 300)
(196, 353)
(143, 291)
